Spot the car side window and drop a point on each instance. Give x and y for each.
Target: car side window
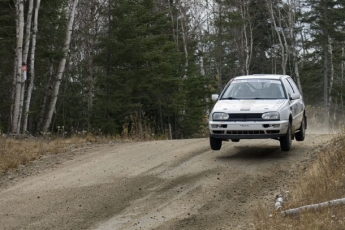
(288, 87)
(293, 85)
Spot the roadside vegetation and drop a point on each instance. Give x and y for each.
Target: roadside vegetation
(21, 150)
(18, 150)
(323, 181)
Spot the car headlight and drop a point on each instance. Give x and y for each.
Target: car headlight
(220, 116)
(270, 116)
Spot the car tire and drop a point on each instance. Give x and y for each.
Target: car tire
(286, 140)
(215, 143)
(300, 135)
(235, 140)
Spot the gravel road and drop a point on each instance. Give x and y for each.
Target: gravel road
(177, 184)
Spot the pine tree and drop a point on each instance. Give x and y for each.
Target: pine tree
(138, 60)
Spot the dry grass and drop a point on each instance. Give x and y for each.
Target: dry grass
(324, 181)
(15, 152)
(19, 151)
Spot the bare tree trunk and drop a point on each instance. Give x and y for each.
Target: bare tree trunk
(184, 38)
(44, 102)
(201, 59)
(172, 19)
(285, 53)
(61, 68)
(199, 23)
(331, 79)
(220, 53)
(32, 67)
(291, 25)
(325, 86)
(25, 60)
(28, 31)
(280, 35)
(248, 35)
(18, 76)
(331, 73)
(22, 90)
(298, 78)
(90, 53)
(325, 66)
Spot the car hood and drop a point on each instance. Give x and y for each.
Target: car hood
(248, 106)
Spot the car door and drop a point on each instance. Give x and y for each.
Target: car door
(300, 103)
(297, 105)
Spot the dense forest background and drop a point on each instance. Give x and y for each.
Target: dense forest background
(144, 67)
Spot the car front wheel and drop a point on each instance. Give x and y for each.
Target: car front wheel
(285, 141)
(215, 143)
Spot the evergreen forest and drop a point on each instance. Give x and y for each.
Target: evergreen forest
(149, 67)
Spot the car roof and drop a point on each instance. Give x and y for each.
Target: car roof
(262, 76)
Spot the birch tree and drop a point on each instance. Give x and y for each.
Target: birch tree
(18, 76)
(25, 60)
(191, 21)
(283, 18)
(247, 35)
(200, 20)
(276, 22)
(293, 9)
(32, 66)
(55, 92)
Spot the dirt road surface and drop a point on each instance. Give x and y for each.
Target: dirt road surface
(177, 184)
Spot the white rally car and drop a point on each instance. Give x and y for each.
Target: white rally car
(258, 107)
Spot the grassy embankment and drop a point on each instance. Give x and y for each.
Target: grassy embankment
(323, 181)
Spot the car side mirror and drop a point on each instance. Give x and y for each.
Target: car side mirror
(295, 96)
(215, 97)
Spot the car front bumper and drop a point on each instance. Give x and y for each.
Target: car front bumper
(248, 129)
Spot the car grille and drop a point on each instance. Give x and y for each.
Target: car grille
(245, 117)
(245, 132)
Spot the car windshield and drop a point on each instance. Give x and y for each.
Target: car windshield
(254, 89)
